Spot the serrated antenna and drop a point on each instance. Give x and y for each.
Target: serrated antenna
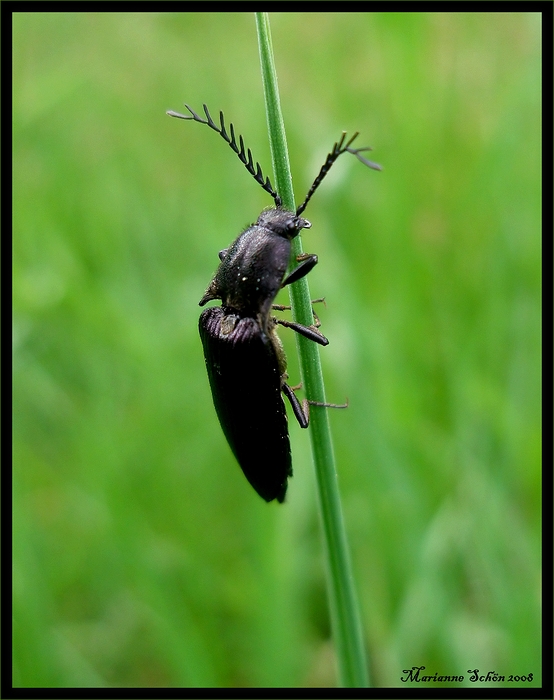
(338, 150)
(244, 154)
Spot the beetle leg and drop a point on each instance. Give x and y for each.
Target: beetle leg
(296, 387)
(300, 410)
(309, 332)
(307, 262)
(328, 405)
(317, 322)
(287, 307)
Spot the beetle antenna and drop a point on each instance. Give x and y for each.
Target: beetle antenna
(338, 150)
(245, 155)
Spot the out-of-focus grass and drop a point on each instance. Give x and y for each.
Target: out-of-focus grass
(141, 554)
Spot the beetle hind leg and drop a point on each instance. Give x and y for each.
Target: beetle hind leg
(300, 409)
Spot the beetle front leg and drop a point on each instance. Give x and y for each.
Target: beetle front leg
(307, 262)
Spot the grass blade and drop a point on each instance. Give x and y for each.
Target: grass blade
(345, 619)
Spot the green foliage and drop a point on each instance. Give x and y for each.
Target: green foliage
(141, 554)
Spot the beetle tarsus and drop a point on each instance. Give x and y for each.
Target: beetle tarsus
(328, 405)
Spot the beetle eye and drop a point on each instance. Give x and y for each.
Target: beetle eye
(292, 224)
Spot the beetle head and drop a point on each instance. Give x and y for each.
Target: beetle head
(282, 222)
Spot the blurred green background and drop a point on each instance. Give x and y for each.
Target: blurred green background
(142, 557)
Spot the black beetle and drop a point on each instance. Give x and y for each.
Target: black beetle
(244, 357)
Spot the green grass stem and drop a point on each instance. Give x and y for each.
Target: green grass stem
(345, 618)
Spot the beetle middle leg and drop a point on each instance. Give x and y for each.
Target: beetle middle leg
(287, 307)
(309, 332)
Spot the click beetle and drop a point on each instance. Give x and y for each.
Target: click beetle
(244, 356)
